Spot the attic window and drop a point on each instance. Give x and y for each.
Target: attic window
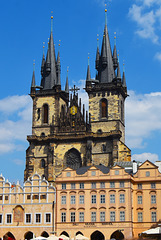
(68, 174)
(116, 172)
(147, 174)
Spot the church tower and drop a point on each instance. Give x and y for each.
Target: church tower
(107, 94)
(63, 133)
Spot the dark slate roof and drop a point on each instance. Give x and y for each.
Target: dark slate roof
(103, 169)
(82, 170)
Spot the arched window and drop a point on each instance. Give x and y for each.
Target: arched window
(104, 108)
(45, 113)
(42, 163)
(122, 111)
(73, 159)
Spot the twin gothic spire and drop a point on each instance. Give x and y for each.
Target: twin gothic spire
(107, 64)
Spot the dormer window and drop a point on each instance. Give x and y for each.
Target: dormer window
(104, 108)
(45, 113)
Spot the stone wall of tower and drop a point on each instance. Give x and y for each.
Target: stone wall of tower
(113, 121)
(54, 105)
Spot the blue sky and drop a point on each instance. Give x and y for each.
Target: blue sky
(25, 25)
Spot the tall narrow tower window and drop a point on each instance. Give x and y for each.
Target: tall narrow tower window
(45, 113)
(104, 108)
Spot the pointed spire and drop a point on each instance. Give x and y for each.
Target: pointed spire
(118, 70)
(88, 78)
(115, 60)
(33, 76)
(43, 60)
(50, 77)
(106, 72)
(67, 84)
(123, 77)
(97, 54)
(58, 67)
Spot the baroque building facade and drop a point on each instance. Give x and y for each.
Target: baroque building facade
(63, 133)
(108, 203)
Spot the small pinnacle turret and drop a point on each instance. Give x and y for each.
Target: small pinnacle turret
(67, 84)
(118, 71)
(115, 60)
(88, 78)
(123, 77)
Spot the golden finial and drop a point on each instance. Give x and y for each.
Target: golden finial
(68, 69)
(114, 35)
(97, 37)
(105, 7)
(51, 14)
(59, 42)
(48, 40)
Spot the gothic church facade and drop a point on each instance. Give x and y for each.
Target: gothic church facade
(63, 133)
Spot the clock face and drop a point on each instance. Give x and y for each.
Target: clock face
(73, 110)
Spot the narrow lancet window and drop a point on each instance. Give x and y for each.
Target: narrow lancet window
(45, 113)
(104, 108)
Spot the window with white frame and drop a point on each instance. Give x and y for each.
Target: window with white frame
(102, 198)
(112, 184)
(63, 217)
(122, 198)
(1, 218)
(28, 218)
(81, 199)
(93, 199)
(122, 215)
(72, 216)
(112, 216)
(112, 198)
(72, 199)
(38, 218)
(140, 216)
(8, 218)
(122, 184)
(93, 216)
(140, 199)
(81, 216)
(63, 199)
(72, 185)
(47, 217)
(93, 185)
(102, 185)
(81, 185)
(63, 186)
(153, 185)
(102, 216)
(153, 216)
(153, 198)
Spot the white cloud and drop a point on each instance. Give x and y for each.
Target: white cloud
(145, 156)
(143, 117)
(158, 56)
(147, 15)
(15, 122)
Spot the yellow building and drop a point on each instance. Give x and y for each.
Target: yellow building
(104, 203)
(26, 211)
